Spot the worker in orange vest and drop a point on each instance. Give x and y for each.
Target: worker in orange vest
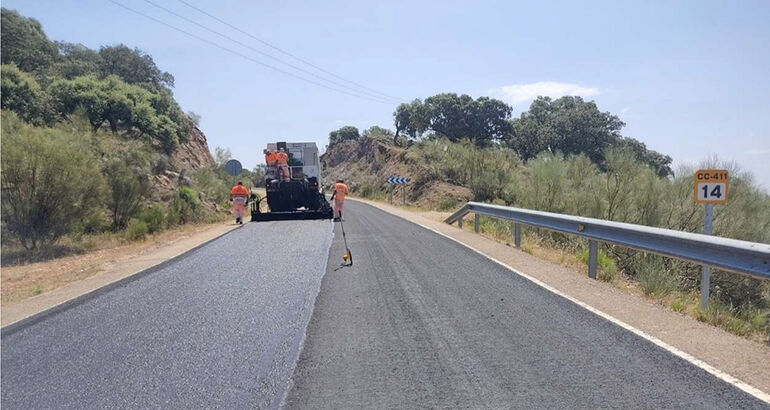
(239, 195)
(271, 160)
(340, 190)
(283, 164)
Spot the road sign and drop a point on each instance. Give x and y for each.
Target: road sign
(233, 167)
(398, 180)
(711, 186)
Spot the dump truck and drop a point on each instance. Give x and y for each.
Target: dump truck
(299, 197)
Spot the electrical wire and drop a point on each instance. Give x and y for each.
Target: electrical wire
(286, 52)
(242, 55)
(339, 84)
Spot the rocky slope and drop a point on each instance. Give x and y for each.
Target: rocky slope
(191, 155)
(366, 163)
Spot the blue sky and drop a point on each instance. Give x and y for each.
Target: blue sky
(688, 77)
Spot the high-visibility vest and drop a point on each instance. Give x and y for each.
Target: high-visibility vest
(283, 159)
(340, 190)
(239, 190)
(271, 159)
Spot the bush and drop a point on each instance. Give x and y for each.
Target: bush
(155, 218)
(50, 182)
(136, 230)
(128, 187)
(213, 185)
(654, 277)
(185, 207)
(449, 204)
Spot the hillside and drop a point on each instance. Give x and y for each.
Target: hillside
(368, 162)
(93, 142)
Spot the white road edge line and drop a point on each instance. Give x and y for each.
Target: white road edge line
(759, 394)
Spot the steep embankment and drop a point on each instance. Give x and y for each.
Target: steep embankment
(193, 154)
(366, 163)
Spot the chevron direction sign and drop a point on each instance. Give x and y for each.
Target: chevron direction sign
(398, 180)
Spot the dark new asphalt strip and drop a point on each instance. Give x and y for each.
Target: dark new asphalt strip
(218, 328)
(420, 321)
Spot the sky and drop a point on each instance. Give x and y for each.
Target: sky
(689, 78)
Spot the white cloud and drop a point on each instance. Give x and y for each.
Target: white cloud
(519, 93)
(757, 151)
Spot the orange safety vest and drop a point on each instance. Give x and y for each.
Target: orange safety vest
(239, 190)
(283, 159)
(271, 159)
(340, 190)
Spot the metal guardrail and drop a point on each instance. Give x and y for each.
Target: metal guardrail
(744, 257)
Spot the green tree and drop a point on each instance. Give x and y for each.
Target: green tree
(50, 182)
(77, 60)
(455, 117)
(133, 66)
(375, 130)
(660, 163)
(345, 133)
(22, 94)
(568, 125)
(24, 43)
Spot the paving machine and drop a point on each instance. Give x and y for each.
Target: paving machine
(299, 196)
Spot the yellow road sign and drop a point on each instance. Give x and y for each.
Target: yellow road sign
(711, 186)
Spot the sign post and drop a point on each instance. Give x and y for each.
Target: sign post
(398, 181)
(710, 188)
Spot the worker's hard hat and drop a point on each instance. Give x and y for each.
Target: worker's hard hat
(281, 149)
(265, 151)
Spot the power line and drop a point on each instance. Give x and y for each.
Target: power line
(263, 53)
(288, 53)
(242, 55)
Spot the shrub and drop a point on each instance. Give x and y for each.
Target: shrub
(128, 188)
(213, 185)
(654, 277)
(136, 230)
(449, 204)
(50, 182)
(185, 207)
(155, 218)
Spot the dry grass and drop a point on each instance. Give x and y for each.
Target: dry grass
(23, 281)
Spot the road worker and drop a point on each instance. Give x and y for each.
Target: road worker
(239, 196)
(283, 164)
(271, 160)
(340, 190)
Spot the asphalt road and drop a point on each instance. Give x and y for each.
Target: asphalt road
(218, 328)
(420, 321)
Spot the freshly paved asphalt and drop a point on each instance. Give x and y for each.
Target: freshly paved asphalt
(219, 328)
(420, 321)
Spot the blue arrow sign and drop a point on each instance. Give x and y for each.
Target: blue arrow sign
(398, 180)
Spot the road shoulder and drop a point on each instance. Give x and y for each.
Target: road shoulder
(112, 272)
(735, 356)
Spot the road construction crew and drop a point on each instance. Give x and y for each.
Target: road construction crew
(283, 164)
(239, 195)
(271, 160)
(340, 190)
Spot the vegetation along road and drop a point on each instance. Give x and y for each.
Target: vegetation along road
(417, 321)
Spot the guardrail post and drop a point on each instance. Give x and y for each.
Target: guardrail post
(460, 222)
(476, 222)
(593, 248)
(517, 235)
